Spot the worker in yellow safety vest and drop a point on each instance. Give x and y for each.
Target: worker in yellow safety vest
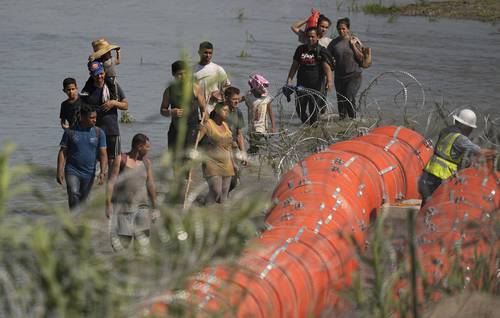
(452, 146)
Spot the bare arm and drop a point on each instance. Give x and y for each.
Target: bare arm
(293, 70)
(329, 77)
(200, 97)
(103, 159)
(270, 113)
(356, 48)
(112, 103)
(202, 132)
(64, 124)
(61, 161)
(165, 104)
(115, 170)
(241, 146)
(240, 140)
(122, 105)
(150, 183)
(118, 58)
(297, 25)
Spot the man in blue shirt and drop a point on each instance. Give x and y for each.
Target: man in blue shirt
(76, 160)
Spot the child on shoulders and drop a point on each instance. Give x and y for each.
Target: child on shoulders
(102, 53)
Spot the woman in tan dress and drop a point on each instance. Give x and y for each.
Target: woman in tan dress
(218, 166)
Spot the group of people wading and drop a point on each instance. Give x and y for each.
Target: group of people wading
(203, 107)
(203, 110)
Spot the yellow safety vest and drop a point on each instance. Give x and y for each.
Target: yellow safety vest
(441, 164)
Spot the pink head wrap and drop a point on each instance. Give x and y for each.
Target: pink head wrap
(258, 83)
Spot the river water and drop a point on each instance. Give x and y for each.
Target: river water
(43, 41)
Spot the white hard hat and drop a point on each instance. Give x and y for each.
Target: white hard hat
(466, 117)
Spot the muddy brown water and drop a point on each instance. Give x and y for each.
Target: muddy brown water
(45, 41)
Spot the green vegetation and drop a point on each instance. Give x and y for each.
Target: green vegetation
(126, 118)
(392, 18)
(483, 10)
(241, 15)
(57, 264)
(389, 282)
(244, 53)
(373, 8)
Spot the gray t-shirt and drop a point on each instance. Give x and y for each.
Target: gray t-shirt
(346, 65)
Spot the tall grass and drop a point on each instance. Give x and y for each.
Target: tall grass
(57, 264)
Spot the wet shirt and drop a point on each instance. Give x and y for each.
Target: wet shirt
(218, 146)
(69, 111)
(257, 112)
(187, 103)
(107, 120)
(310, 73)
(235, 122)
(81, 150)
(211, 78)
(130, 189)
(346, 65)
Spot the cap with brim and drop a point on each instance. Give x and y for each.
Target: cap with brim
(101, 47)
(455, 117)
(95, 68)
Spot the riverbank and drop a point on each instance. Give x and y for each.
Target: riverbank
(481, 10)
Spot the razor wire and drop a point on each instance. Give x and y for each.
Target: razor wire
(295, 140)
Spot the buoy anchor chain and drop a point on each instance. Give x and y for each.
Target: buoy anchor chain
(396, 132)
(485, 181)
(350, 161)
(360, 190)
(337, 204)
(386, 170)
(318, 227)
(270, 265)
(389, 144)
(336, 193)
(491, 196)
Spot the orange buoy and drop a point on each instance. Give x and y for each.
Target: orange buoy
(321, 207)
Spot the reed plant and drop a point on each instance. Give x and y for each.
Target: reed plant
(388, 283)
(58, 263)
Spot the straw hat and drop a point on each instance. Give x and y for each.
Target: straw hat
(101, 47)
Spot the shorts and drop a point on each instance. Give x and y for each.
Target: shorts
(113, 145)
(257, 141)
(188, 142)
(131, 223)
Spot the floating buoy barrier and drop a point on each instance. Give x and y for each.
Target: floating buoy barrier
(305, 256)
(457, 227)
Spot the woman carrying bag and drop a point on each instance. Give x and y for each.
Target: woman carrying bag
(350, 57)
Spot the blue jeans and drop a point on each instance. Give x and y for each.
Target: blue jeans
(78, 189)
(427, 184)
(346, 95)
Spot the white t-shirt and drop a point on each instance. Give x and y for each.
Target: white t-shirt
(257, 112)
(211, 78)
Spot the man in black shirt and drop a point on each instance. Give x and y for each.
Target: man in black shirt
(312, 62)
(98, 94)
